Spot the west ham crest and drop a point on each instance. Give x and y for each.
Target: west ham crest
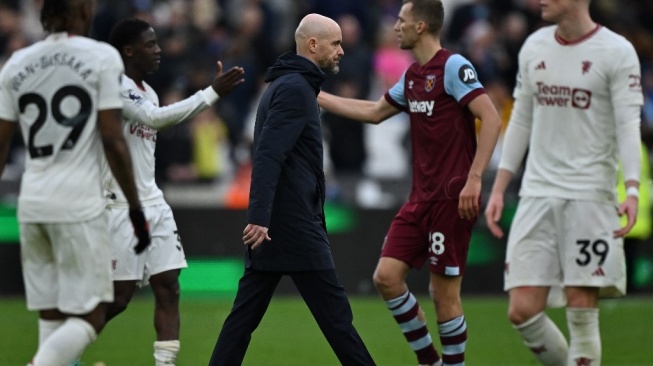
(429, 83)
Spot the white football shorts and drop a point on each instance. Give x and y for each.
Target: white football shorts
(164, 253)
(66, 266)
(561, 243)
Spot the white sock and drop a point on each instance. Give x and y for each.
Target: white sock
(584, 335)
(165, 352)
(46, 327)
(65, 344)
(544, 339)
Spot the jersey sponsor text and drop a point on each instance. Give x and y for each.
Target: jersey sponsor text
(142, 131)
(563, 96)
(418, 106)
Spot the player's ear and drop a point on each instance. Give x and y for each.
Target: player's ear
(421, 27)
(127, 51)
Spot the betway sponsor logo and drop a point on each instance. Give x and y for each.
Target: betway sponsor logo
(416, 106)
(563, 96)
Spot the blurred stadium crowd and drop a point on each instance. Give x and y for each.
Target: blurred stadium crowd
(365, 164)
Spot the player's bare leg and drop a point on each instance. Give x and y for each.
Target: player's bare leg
(583, 324)
(445, 292)
(540, 334)
(165, 286)
(390, 281)
(123, 291)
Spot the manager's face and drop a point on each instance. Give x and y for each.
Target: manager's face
(330, 51)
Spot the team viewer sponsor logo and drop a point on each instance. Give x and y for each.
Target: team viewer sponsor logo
(563, 96)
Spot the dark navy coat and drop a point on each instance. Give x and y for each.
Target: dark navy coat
(287, 188)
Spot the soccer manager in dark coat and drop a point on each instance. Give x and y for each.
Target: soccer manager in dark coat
(286, 230)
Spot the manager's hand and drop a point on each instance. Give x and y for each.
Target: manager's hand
(254, 235)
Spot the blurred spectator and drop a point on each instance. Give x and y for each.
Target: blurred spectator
(180, 42)
(195, 33)
(512, 32)
(389, 60)
(335, 9)
(174, 149)
(246, 47)
(106, 15)
(386, 143)
(9, 28)
(208, 135)
(345, 137)
(465, 16)
(647, 111)
(501, 96)
(480, 47)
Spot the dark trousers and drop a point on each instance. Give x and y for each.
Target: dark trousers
(321, 291)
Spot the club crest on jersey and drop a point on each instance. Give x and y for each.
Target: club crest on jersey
(133, 96)
(587, 65)
(429, 83)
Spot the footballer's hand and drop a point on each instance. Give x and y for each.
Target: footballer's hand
(493, 214)
(224, 83)
(468, 201)
(141, 229)
(254, 235)
(629, 208)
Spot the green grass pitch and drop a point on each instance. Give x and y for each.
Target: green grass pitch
(288, 335)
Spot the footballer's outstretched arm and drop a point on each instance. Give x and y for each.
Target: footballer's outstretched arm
(361, 110)
(140, 109)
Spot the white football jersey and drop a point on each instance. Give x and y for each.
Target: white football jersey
(569, 92)
(142, 117)
(54, 90)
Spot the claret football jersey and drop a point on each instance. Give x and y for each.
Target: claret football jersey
(443, 135)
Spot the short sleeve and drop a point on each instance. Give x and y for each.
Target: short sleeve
(460, 77)
(396, 93)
